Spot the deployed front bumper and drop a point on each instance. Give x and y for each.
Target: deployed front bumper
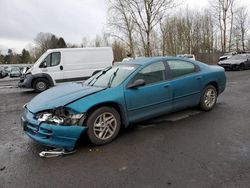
(50, 135)
(25, 82)
(227, 66)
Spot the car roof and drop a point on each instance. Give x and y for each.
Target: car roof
(148, 60)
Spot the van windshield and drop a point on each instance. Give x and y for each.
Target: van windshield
(41, 58)
(111, 76)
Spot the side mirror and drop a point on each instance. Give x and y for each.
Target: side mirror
(43, 64)
(136, 83)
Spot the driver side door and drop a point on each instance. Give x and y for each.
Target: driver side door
(53, 68)
(152, 99)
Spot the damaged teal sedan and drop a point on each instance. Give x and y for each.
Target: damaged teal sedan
(119, 96)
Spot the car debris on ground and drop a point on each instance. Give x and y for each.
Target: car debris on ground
(55, 153)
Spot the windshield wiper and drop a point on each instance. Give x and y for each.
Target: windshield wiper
(96, 78)
(112, 77)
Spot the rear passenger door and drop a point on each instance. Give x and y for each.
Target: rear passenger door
(186, 81)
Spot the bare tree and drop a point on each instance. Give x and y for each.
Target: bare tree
(139, 18)
(241, 24)
(45, 41)
(98, 41)
(85, 42)
(221, 8)
(147, 14)
(163, 33)
(232, 11)
(121, 24)
(189, 33)
(118, 50)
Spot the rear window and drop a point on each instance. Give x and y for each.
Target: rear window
(179, 68)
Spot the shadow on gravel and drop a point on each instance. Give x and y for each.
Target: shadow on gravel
(159, 122)
(29, 92)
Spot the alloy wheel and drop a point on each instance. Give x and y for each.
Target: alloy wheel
(105, 126)
(210, 97)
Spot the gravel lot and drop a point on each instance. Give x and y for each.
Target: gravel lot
(185, 149)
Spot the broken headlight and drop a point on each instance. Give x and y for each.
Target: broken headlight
(61, 116)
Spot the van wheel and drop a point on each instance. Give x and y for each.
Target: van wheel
(103, 125)
(40, 85)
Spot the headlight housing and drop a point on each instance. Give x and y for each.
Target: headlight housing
(26, 75)
(61, 116)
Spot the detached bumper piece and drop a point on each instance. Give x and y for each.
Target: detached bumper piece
(25, 82)
(229, 66)
(55, 153)
(63, 137)
(226, 66)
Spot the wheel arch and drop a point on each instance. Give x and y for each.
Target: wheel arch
(215, 84)
(114, 105)
(42, 76)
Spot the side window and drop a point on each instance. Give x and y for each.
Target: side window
(152, 73)
(180, 68)
(47, 59)
(53, 59)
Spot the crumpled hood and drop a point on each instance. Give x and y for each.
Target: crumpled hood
(60, 96)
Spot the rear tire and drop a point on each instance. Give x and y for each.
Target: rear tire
(40, 85)
(208, 98)
(103, 125)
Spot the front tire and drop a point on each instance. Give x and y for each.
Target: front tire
(242, 67)
(40, 85)
(103, 125)
(208, 98)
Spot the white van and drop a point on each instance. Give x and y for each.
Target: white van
(65, 65)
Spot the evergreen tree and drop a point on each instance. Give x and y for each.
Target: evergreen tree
(25, 57)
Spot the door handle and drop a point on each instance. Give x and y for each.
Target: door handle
(167, 86)
(61, 67)
(198, 78)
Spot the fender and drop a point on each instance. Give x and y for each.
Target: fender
(29, 78)
(115, 105)
(44, 75)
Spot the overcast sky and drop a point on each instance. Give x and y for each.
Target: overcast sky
(21, 20)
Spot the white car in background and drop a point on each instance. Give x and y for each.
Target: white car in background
(15, 72)
(227, 55)
(190, 56)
